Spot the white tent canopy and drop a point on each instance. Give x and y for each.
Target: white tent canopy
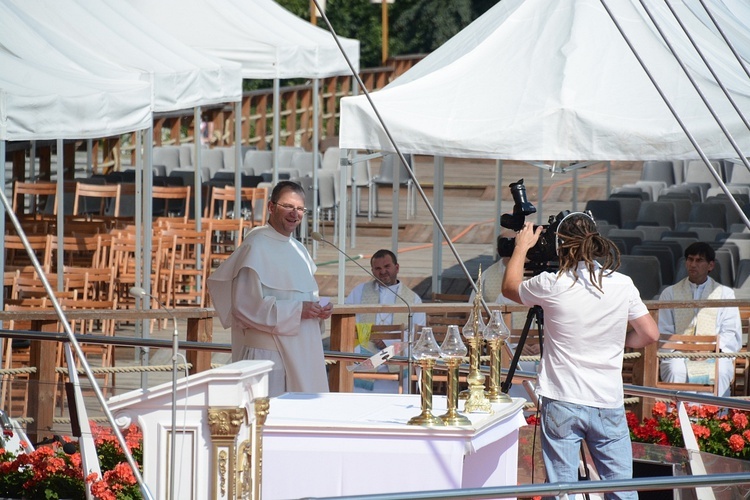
(267, 40)
(40, 103)
(539, 80)
(100, 36)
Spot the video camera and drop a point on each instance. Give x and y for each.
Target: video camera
(543, 254)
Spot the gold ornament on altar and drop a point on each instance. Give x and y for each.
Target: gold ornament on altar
(453, 351)
(496, 334)
(476, 401)
(425, 353)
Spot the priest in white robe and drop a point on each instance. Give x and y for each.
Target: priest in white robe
(266, 291)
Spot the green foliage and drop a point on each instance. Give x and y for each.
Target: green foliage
(415, 26)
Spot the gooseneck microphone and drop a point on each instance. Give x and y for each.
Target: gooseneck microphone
(319, 237)
(140, 293)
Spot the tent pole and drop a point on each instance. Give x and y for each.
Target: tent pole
(32, 161)
(437, 247)
(395, 191)
(344, 162)
(316, 134)
(238, 159)
(739, 58)
(575, 190)
(498, 199)
(61, 210)
(2, 224)
(276, 129)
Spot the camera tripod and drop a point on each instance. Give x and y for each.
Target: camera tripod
(535, 313)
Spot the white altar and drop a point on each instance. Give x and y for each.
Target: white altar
(337, 444)
(233, 386)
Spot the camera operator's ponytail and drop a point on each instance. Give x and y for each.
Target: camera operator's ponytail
(579, 240)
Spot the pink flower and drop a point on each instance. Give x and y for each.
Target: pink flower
(739, 420)
(701, 431)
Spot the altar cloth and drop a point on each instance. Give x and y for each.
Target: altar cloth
(337, 444)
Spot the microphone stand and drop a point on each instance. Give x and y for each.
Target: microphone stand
(139, 292)
(410, 319)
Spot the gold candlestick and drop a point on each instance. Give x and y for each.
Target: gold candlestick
(476, 400)
(495, 334)
(452, 416)
(425, 353)
(453, 351)
(426, 418)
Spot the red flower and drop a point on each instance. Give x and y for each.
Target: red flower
(739, 420)
(660, 409)
(736, 443)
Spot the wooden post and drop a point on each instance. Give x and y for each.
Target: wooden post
(199, 330)
(43, 355)
(343, 327)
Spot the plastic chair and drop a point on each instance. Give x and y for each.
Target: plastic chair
(168, 156)
(645, 271)
(655, 170)
(661, 212)
(665, 256)
(259, 161)
(629, 208)
(386, 178)
(302, 161)
(652, 233)
(605, 210)
(713, 213)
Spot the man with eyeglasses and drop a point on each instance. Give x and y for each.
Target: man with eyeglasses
(266, 291)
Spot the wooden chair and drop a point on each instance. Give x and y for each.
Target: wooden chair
(176, 200)
(692, 344)
(226, 195)
(106, 193)
(260, 206)
(15, 252)
(187, 263)
(225, 235)
(38, 192)
(17, 354)
(78, 250)
(379, 335)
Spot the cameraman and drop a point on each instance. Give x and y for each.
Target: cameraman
(587, 308)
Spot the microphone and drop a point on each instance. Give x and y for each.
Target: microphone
(319, 237)
(140, 293)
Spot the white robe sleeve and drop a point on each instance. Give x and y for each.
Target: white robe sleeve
(258, 310)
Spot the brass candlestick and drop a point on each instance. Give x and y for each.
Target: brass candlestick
(452, 351)
(476, 400)
(496, 333)
(426, 418)
(426, 352)
(452, 416)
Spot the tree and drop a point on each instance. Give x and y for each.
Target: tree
(416, 26)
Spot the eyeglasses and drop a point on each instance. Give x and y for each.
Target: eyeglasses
(285, 206)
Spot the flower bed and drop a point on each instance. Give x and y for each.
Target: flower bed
(721, 433)
(49, 473)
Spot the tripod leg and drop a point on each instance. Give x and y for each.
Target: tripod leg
(505, 386)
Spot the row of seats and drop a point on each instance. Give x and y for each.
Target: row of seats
(693, 176)
(293, 161)
(670, 211)
(654, 255)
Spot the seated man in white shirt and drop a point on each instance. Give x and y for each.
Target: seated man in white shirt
(385, 290)
(724, 322)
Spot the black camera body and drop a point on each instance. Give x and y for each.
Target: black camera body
(543, 255)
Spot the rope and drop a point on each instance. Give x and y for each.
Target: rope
(702, 355)
(18, 371)
(127, 369)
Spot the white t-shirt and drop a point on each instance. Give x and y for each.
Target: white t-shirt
(584, 335)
